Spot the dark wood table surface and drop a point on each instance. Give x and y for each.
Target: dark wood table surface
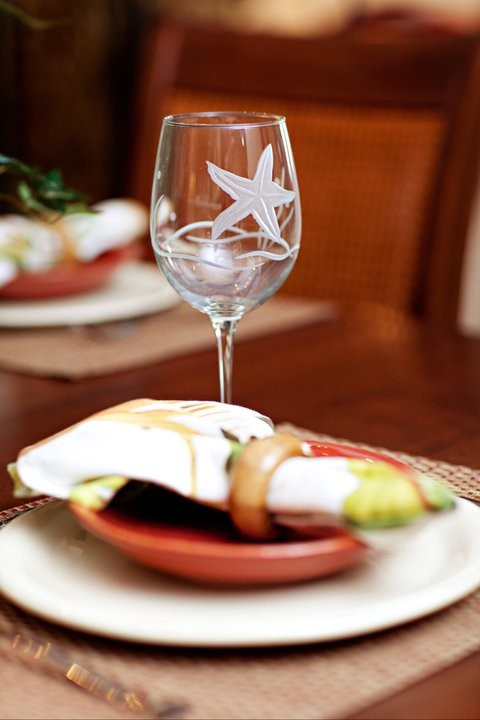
(364, 378)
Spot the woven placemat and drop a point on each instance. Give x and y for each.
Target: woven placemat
(318, 681)
(74, 353)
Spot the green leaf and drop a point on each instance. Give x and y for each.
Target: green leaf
(97, 493)
(386, 497)
(29, 21)
(17, 166)
(19, 489)
(26, 196)
(41, 192)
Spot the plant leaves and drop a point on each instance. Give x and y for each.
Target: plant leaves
(43, 192)
(29, 21)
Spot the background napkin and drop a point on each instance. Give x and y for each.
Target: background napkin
(32, 245)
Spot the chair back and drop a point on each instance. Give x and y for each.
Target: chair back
(384, 122)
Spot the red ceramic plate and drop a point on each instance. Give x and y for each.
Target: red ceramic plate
(185, 539)
(215, 556)
(332, 449)
(67, 278)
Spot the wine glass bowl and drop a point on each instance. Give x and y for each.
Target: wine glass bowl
(225, 215)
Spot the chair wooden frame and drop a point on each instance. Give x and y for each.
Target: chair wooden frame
(378, 65)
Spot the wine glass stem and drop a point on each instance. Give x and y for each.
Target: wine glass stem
(224, 332)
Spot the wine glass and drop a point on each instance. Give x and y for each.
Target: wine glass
(225, 216)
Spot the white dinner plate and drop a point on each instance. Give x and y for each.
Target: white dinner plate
(135, 288)
(52, 567)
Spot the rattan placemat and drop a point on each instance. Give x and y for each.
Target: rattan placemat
(74, 353)
(329, 680)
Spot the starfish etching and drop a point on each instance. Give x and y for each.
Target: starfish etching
(257, 197)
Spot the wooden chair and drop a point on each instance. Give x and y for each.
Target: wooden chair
(384, 121)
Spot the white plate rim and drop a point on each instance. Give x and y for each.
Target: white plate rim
(170, 602)
(135, 288)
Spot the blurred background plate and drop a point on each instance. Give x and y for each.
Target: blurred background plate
(69, 278)
(133, 289)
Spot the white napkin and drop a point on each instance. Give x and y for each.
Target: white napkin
(30, 245)
(179, 445)
(189, 447)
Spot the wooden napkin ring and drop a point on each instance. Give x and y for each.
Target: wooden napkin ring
(250, 478)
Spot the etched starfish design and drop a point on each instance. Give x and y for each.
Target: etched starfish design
(257, 197)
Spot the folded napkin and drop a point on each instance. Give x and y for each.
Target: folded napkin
(225, 456)
(30, 245)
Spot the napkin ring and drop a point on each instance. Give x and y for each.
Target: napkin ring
(250, 478)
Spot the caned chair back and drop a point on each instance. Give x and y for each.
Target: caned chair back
(384, 122)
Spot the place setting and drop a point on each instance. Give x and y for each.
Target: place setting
(164, 502)
(185, 526)
(247, 531)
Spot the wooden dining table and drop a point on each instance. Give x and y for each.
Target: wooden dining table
(367, 377)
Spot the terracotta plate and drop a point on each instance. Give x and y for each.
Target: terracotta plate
(330, 449)
(214, 555)
(199, 543)
(68, 278)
